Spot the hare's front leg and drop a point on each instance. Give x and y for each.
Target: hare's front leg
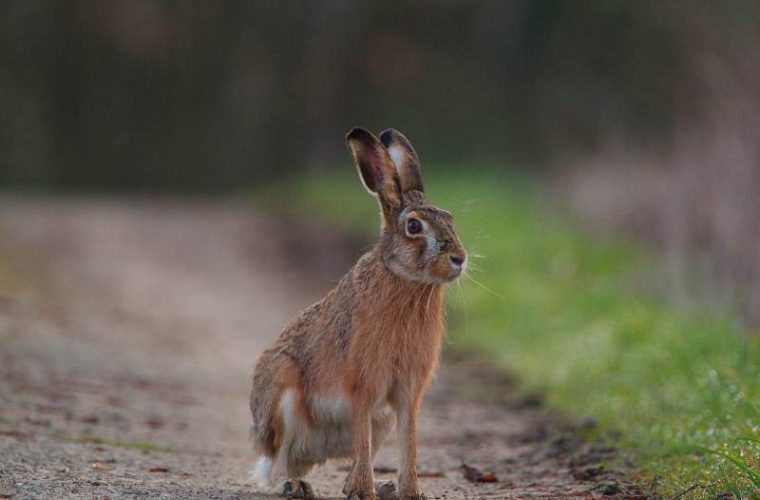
(361, 481)
(407, 432)
(381, 425)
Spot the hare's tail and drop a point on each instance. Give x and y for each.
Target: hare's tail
(261, 473)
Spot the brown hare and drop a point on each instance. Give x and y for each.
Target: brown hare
(340, 373)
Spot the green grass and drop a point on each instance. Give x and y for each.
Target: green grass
(128, 445)
(578, 318)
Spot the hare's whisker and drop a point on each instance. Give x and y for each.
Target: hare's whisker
(473, 266)
(482, 286)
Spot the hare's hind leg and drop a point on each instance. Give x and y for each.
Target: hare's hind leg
(295, 487)
(288, 463)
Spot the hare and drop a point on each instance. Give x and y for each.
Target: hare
(349, 365)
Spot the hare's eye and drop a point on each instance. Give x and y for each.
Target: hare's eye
(413, 226)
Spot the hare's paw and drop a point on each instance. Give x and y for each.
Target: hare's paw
(361, 495)
(297, 488)
(386, 490)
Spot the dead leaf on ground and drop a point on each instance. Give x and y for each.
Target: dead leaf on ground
(155, 422)
(91, 419)
(158, 469)
(475, 475)
(436, 473)
(12, 433)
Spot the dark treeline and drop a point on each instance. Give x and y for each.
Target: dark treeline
(205, 95)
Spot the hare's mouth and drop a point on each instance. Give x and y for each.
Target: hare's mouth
(454, 276)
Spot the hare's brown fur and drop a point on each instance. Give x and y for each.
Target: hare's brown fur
(331, 383)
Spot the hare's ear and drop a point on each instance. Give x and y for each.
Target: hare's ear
(404, 158)
(376, 168)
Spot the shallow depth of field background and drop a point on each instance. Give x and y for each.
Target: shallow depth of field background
(602, 159)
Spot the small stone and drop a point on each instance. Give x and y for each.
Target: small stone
(91, 419)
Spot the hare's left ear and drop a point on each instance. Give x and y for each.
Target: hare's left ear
(404, 158)
(376, 170)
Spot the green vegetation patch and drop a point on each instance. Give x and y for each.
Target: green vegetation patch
(578, 318)
(128, 445)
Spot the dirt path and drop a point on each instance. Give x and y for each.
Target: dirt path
(124, 371)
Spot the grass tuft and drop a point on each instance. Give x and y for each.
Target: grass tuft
(128, 445)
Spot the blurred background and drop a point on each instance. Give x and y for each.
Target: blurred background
(602, 159)
(646, 112)
(199, 95)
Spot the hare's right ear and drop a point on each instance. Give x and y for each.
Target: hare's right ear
(376, 168)
(404, 158)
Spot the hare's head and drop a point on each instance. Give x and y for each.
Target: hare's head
(418, 241)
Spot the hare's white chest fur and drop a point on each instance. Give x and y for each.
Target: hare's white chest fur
(336, 409)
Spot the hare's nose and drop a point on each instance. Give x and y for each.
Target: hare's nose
(457, 260)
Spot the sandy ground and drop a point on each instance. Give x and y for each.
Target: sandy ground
(126, 353)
